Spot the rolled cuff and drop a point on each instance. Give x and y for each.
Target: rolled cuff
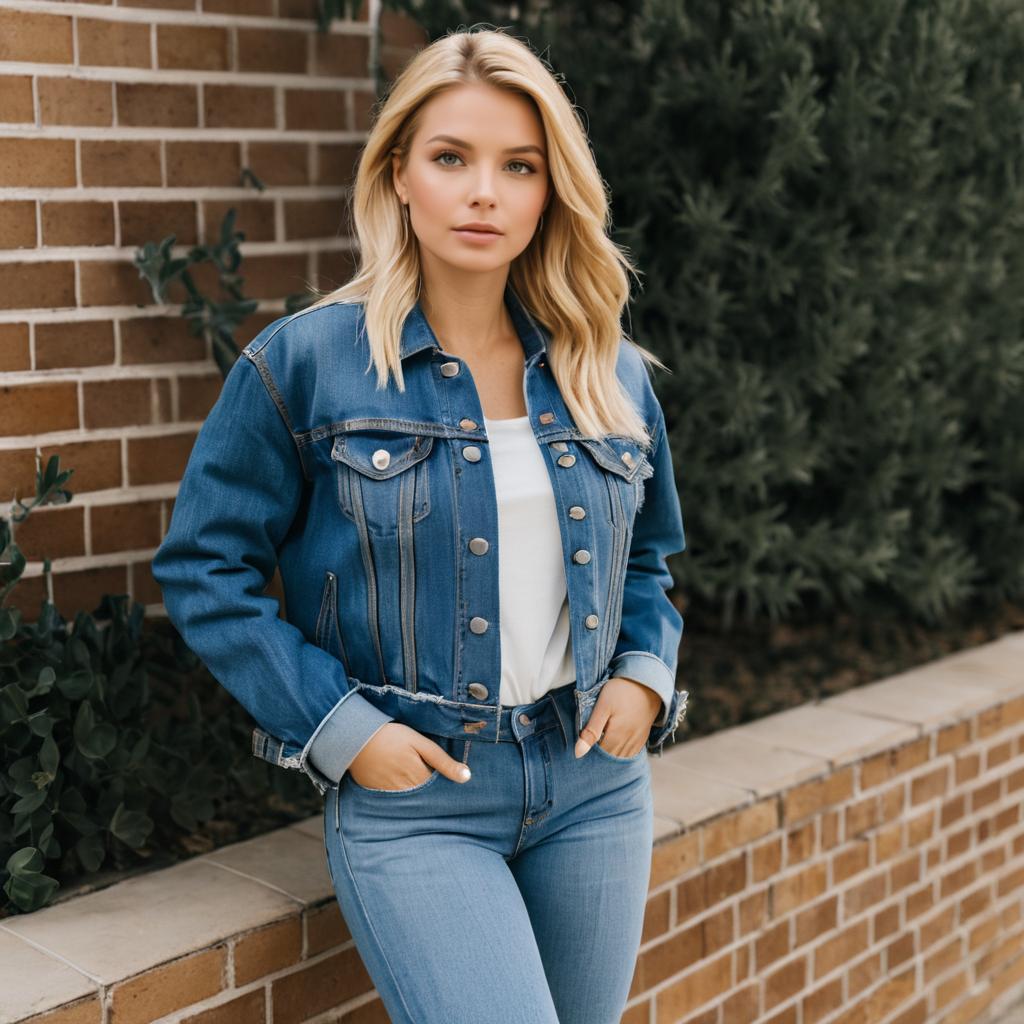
(342, 734)
(651, 671)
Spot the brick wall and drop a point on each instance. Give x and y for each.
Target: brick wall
(856, 861)
(121, 124)
(885, 892)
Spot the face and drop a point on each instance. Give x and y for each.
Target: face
(490, 167)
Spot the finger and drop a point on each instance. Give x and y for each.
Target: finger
(591, 732)
(437, 757)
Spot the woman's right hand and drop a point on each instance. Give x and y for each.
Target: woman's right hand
(398, 757)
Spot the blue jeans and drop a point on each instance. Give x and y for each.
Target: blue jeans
(515, 898)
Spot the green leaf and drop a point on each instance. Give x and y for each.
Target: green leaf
(91, 850)
(131, 827)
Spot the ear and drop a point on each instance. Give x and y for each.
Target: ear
(397, 177)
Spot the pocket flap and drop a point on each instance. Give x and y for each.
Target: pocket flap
(619, 455)
(380, 455)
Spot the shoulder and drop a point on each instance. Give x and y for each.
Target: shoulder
(307, 331)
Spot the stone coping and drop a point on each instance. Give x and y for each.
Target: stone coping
(84, 945)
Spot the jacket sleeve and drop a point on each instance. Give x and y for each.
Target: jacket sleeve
(647, 648)
(241, 490)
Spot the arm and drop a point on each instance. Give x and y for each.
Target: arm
(238, 497)
(647, 649)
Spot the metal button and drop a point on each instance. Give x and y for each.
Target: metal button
(477, 690)
(591, 621)
(471, 453)
(381, 458)
(478, 625)
(449, 369)
(567, 460)
(547, 417)
(524, 719)
(577, 512)
(581, 557)
(479, 545)
(627, 458)
(559, 446)
(467, 424)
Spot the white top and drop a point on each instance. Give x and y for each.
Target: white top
(536, 647)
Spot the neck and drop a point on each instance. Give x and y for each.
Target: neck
(468, 321)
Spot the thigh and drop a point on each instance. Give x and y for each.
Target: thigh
(435, 913)
(585, 884)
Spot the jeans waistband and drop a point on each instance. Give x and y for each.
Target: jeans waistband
(430, 713)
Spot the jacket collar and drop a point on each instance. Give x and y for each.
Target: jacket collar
(417, 333)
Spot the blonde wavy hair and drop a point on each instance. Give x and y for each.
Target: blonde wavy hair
(571, 277)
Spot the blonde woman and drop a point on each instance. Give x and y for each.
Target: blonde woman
(479, 652)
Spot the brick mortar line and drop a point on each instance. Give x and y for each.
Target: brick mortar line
(103, 254)
(149, 430)
(164, 16)
(305, 81)
(170, 193)
(74, 314)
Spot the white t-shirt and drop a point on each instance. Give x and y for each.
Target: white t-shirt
(536, 646)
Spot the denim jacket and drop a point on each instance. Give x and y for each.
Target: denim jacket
(379, 508)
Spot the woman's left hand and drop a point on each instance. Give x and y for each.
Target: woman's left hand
(624, 712)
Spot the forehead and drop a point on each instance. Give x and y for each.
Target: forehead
(482, 115)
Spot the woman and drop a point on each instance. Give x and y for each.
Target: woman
(511, 456)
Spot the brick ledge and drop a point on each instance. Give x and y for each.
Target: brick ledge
(245, 911)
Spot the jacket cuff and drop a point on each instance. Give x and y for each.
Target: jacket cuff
(344, 731)
(659, 734)
(650, 670)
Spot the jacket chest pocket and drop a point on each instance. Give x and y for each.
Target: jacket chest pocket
(383, 478)
(624, 467)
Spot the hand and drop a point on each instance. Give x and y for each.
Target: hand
(397, 757)
(630, 708)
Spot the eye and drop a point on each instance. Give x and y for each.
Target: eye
(521, 174)
(529, 167)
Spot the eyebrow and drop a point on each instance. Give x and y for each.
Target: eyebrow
(465, 145)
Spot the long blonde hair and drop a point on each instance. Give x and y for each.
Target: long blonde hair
(571, 277)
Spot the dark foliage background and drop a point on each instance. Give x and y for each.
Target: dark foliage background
(824, 200)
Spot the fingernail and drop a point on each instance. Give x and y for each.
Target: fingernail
(582, 746)
(465, 773)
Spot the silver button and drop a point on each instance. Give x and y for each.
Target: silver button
(479, 546)
(591, 621)
(627, 458)
(478, 625)
(567, 460)
(467, 424)
(524, 719)
(449, 369)
(477, 690)
(471, 453)
(581, 557)
(381, 458)
(577, 512)
(559, 446)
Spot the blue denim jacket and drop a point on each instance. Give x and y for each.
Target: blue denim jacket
(380, 509)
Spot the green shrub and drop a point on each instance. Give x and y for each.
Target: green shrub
(825, 201)
(116, 742)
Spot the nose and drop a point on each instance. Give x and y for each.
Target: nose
(483, 187)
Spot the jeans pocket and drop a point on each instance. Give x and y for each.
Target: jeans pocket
(432, 777)
(619, 760)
